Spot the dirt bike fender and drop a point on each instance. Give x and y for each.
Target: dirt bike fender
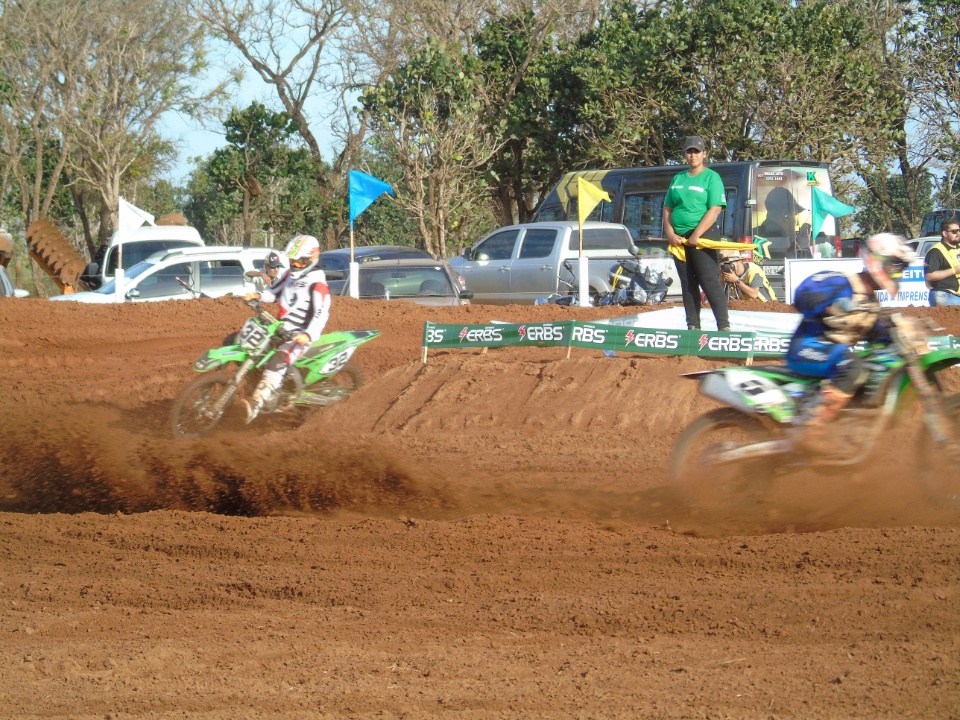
(218, 357)
(937, 360)
(749, 392)
(329, 353)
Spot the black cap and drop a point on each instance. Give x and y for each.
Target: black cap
(694, 142)
(272, 261)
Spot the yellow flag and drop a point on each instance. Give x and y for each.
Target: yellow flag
(588, 196)
(680, 252)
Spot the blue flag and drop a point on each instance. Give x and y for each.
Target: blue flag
(822, 205)
(364, 189)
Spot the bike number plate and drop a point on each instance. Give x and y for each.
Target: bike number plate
(757, 389)
(336, 363)
(252, 335)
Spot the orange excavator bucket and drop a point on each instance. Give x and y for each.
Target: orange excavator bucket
(54, 253)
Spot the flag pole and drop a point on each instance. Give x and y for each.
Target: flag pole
(354, 269)
(584, 274)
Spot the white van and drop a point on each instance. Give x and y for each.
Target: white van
(126, 249)
(184, 273)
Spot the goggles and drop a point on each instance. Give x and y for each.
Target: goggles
(300, 263)
(894, 267)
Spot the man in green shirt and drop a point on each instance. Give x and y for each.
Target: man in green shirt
(692, 205)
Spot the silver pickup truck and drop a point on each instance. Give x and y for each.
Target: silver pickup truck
(517, 264)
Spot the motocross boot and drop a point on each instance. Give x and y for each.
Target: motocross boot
(814, 434)
(264, 391)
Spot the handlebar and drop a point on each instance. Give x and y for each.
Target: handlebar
(257, 307)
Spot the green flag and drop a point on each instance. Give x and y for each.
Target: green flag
(823, 205)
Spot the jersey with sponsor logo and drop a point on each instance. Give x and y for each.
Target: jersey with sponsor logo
(304, 302)
(690, 196)
(818, 292)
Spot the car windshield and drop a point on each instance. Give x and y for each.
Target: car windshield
(136, 271)
(406, 282)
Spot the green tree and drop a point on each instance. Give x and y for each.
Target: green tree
(259, 187)
(876, 216)
(434, 118)
(256, 155)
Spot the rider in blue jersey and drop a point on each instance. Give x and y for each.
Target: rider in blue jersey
(838, 312)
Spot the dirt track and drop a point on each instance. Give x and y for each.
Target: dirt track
(486, 535)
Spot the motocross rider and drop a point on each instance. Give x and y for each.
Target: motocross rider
(838, 312)
(304, 308)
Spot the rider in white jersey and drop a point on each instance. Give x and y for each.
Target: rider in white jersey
(304, 308)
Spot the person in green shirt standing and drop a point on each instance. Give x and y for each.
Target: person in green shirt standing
(692, 205)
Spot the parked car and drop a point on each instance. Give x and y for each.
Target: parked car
(134, 246)
(424, 281)
(518, 264)
(7, 288)
(336, 263)
(923, 244)
(184, 273)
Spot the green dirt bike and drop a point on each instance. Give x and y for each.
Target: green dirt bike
(322, 376)
(726, 456)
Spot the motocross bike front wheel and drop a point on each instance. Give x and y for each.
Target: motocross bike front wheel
(706, 484)
(194, 414)
(939, 471)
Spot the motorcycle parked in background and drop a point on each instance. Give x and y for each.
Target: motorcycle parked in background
(635, 283)
(632, 282)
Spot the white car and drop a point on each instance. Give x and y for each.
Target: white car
(923, 244)
(8, 289)
(182, 274)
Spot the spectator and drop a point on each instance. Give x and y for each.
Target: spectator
(271, 271)
(941, 266)
(745, 280)
(692, 205)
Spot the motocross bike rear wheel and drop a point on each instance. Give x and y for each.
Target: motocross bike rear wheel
(939, 472)
(337, 387)
(193, 411)
(332, 389)
(715, 487)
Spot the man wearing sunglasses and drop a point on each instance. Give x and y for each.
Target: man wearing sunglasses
(941, 266)
(838, 312)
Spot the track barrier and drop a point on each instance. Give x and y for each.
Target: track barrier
(616, 338)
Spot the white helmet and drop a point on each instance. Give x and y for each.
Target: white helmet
(885, 257)
(303, 252)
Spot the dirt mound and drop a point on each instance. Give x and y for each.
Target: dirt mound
(486, 534)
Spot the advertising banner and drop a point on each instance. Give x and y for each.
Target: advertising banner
(607, 337)
(616, 338)
(912, 290)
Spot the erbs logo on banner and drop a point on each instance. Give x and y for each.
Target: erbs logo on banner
(736, 343)
(540, 333)
(657, 340)
(484, 334)
(589, 334)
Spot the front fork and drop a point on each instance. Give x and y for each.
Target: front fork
(938, 424)
(231, 390)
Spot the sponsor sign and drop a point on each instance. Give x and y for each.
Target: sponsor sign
(619, 338)
(912, 289)
(603, 336)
